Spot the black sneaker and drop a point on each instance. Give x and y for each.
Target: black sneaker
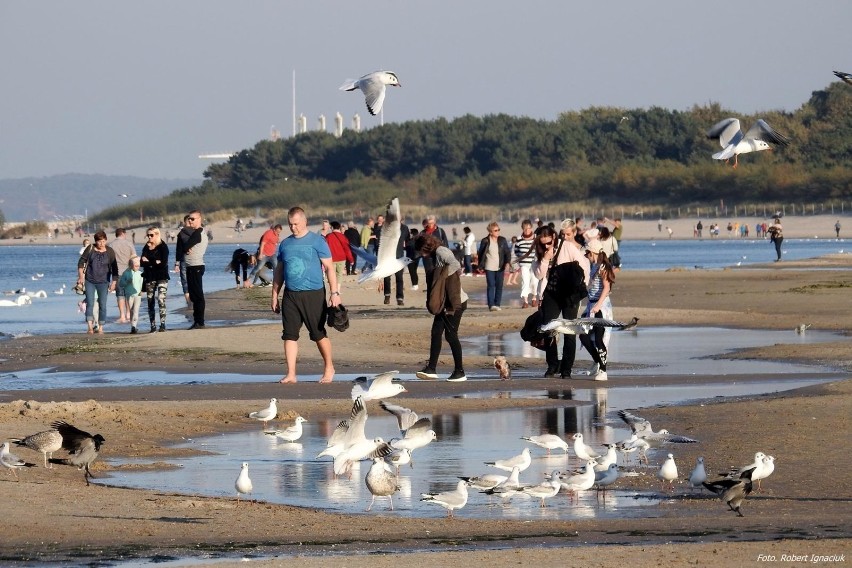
(197, 326)
(566, 375)
(400, 302)
(387, 300)
(427, 374)
(551, 373)
(133, 329)
(162, 327)
(457, 376)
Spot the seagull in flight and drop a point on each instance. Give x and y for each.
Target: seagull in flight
(380, 386)
(373, 85)
(734, 142)
(642, 428)
(386, 262)
(578, 326)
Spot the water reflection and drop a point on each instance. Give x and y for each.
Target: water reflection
(289, 473)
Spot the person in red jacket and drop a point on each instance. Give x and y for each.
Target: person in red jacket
(267, 249)
(340, 251)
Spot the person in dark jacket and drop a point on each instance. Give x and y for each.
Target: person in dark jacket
(97, 268)
(494, 256)
(354, 238)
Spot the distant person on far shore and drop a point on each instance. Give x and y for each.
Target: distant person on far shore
(669, 231)
(776, 236)
(837, 228)
(124, 251)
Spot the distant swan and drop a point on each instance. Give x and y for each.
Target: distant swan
(60, 290)
(20, 301)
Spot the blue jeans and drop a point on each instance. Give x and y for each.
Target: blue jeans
(468, 263)
(494, 282)
(99, 292)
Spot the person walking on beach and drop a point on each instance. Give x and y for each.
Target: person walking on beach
(98, 270)
(598, 305)
(132, 286)
(301, 259)
(267, 251)
(837, 229)
(447, 301)
(468, 245)
(524, 257)
(155, 278)
(494, 255)
(180, 264)
(124, 251)
(192, 252)
(776, 236)
(341, 253)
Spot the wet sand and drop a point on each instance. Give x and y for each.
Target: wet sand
(803, 509)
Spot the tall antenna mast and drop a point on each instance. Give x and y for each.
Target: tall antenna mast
(294, 102)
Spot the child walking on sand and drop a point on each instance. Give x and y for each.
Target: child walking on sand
(131, 283)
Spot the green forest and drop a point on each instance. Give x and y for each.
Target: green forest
(607, 155)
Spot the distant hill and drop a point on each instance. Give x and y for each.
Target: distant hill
(69, 195)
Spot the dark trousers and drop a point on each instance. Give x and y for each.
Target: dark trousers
(400, 293)
(594, 343)
(552, 308)
(194, 276)
(778, 241)
(412, 270)
(448, 326)
(494, 287)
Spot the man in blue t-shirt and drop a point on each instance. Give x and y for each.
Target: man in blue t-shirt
(301, 259)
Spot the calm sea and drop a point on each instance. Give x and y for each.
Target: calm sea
(58, 313)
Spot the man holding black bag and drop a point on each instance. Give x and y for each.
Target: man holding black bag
(564, 272)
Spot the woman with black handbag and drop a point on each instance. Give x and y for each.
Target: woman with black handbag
(563, 287)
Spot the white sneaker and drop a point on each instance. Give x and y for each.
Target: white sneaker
(415, 287)
(600, 376)
(495, 308)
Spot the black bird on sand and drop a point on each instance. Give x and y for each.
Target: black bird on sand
(732, 491)
(82, 447)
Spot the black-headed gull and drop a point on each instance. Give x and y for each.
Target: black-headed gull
(405, 417)
(668, 473)
(698, 475)
(583, 451)
(45, 442)
(765, 471)
(642, 428)
(291, 433)
(373, 85)
(486, 481)
(509, 487)
(578, 326)
(607, 477)
(387, 261)
(243, 483)
(732, 491)
(632, 444)
(379, 387)
(267, 414)
(546, 489)
(548, 442)
(522, 461)
(582, 480)
(11, 461)
(418, 435)
(734, 142)
(604, 461)
(381, 481)
(399, 458)
(335, 442)
(82, 446)
(450, 500)
(356, 445)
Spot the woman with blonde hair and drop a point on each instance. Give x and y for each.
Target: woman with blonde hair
(155, 276)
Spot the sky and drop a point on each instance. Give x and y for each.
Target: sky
(143, 88)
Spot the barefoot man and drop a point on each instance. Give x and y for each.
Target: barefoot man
(301, 258)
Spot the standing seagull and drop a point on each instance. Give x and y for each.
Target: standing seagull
(10, 460)
(82, 446)
(583, 451)
(547, 441)
(291, 433)
(243, 482)
(502, 367)
(765, 471)
(450, 500)
(45, 442)
(267, 414)
(381, 481)
(734, 142)
(387, 262)
(698, 475)
(668, 472)
(546, 489)
(379, 387)
(522, 461)
(373, 85)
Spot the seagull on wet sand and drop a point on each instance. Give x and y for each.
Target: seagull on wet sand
(379, 387)
(82, 446)
(373, 85)
(243, 483)
(583, 451)
(405, 417)
(11, 461)
(734, 142)
(45, 442)
(381, 481)
(604, 461)
(356, 445)
(548, 442)
(486, 481)
(522, 461)
(387, 263)
(335, 442)
(632, 444)
(765, 471)
(546, 489)
(607, 477)
(267, 414)
(291, 433)
(698, 475)
(642, 428)
(399, 458)
(509, 487)
(668, 472)
(450, 500)
(732, 491)
(582, 480)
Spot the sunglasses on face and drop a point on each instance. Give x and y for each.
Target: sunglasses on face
(150, 235)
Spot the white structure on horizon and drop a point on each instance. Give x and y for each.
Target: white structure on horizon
(356, 123)
(303, 124)
(321, 123)
(338, 125)
(274, 133)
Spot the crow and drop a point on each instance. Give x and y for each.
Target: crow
(732, 491)
(82, 447)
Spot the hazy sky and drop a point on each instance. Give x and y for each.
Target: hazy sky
(142, 88)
